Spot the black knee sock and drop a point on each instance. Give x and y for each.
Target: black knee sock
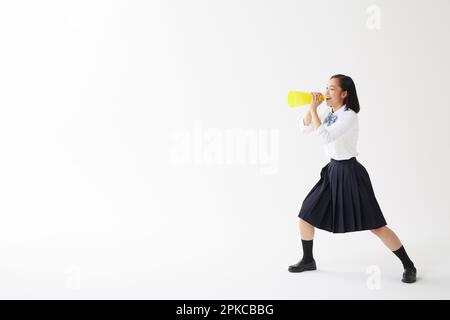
(307, 250)
(403, 256)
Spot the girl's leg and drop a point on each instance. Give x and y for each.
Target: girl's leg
(391, 240)
(306, 230)
(307, 262)
(388, 237)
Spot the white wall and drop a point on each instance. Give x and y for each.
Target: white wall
(147, 149)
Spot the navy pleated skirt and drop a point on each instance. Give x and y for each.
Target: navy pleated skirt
(343, 199)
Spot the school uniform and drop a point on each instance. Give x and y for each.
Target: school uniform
(343, 199)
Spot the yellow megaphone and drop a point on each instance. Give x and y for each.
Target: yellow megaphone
(300, 98)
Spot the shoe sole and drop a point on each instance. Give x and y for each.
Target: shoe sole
(308, 268)
(408, 281)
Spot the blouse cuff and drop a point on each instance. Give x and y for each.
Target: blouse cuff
(306, 128)
(320, 129)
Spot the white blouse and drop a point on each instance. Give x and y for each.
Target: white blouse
(338, 132)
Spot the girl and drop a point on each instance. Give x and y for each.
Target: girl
(343, 199)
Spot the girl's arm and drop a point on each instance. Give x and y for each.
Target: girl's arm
(307, 118)
(305, 125)
(315, 118)
(312, 115)
(313, 109)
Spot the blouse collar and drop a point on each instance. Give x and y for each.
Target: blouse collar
(341, 109)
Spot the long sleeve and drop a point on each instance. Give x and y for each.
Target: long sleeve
(330, 133)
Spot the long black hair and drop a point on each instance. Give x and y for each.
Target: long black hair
(346, 83)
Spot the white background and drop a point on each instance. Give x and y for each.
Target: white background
(93, 95)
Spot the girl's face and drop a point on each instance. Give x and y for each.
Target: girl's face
(334, 96)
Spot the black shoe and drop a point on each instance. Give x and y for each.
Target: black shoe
(409, 275)
(302, 266)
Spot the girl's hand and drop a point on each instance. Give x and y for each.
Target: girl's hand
(315, 100)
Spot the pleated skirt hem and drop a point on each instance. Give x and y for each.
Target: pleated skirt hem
(325, 228)
(343, 199)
